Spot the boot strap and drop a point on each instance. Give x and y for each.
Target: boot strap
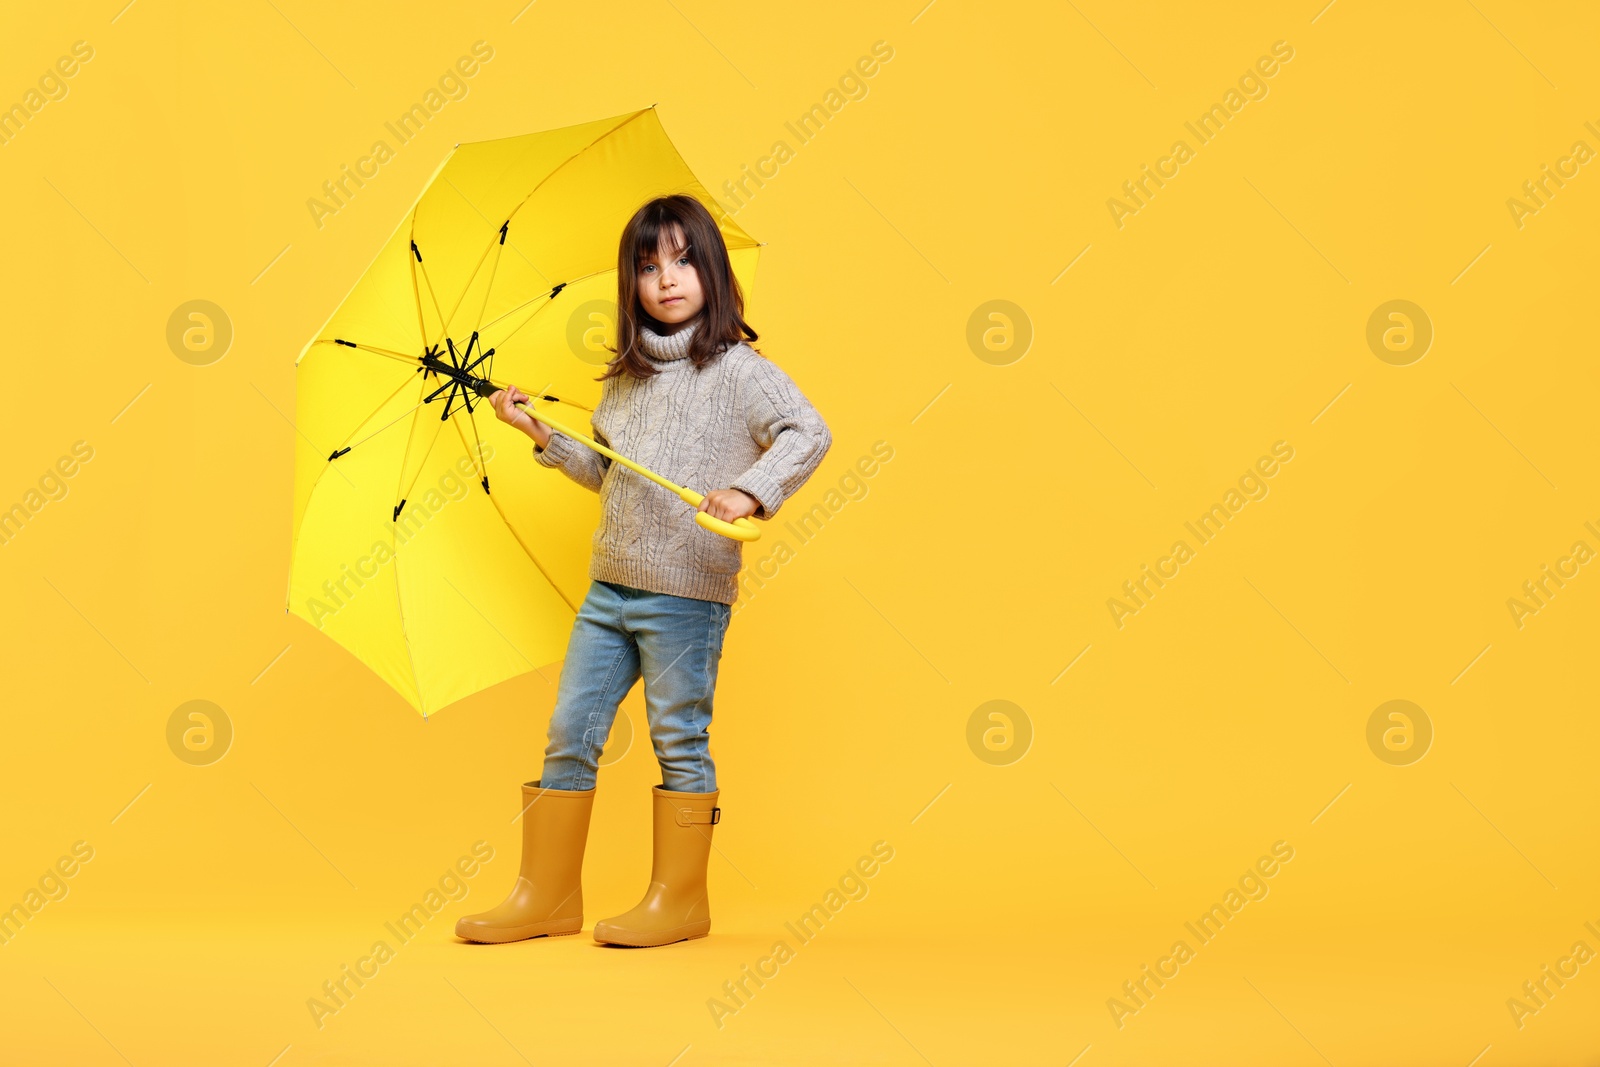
(689, 816)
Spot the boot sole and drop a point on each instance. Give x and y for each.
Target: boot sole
(520, 933)
(654, 939)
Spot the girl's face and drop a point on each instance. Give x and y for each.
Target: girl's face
(669, 286)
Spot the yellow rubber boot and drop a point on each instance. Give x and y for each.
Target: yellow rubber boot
(548, 896)
(675, 907)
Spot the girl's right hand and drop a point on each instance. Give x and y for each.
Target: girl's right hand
(505, 403)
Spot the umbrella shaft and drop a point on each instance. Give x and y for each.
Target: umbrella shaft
(686, 494)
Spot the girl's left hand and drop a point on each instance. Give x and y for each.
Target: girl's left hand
(729, 504)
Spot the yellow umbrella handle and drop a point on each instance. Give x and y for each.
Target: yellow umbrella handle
(739, 529)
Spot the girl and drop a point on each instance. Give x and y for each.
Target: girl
(686, 396)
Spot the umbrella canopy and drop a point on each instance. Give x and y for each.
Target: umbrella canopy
(427, 541)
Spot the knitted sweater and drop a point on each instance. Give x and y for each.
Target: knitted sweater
(739, 422)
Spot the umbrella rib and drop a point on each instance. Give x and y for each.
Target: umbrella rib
(489, 287)
(416, 258)
(512, 311)
(386, 425)
(477, 459)
(483, 466)
(409, 357)
(511, 529)
(531, 264)
(531, 557)
(400, 608)
(416, 265)
(444, 326)
(346, 445)
(423, 462)
(394, 552)
(389, 352)
(318, 479)
(542, 296)
(535, 314)
(405, 460)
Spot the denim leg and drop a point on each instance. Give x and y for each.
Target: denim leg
(680, 645)
(601, 666)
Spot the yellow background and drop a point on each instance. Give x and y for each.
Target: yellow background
(1230, 713)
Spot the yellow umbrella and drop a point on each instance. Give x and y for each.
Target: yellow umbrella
(427, 541)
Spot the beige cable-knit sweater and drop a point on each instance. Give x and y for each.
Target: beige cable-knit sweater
(738, 423)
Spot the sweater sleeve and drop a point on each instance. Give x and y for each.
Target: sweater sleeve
(791, 433)
(577, 461)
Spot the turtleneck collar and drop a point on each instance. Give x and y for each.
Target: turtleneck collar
(664, 348)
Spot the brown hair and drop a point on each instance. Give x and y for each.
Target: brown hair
(721, 320)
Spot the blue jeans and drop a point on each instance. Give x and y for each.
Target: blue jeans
(621, 632)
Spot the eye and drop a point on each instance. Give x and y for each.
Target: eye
(683, 260)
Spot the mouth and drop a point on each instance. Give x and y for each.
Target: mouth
(671, 300)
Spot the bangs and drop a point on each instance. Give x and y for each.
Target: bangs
(657, 238)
